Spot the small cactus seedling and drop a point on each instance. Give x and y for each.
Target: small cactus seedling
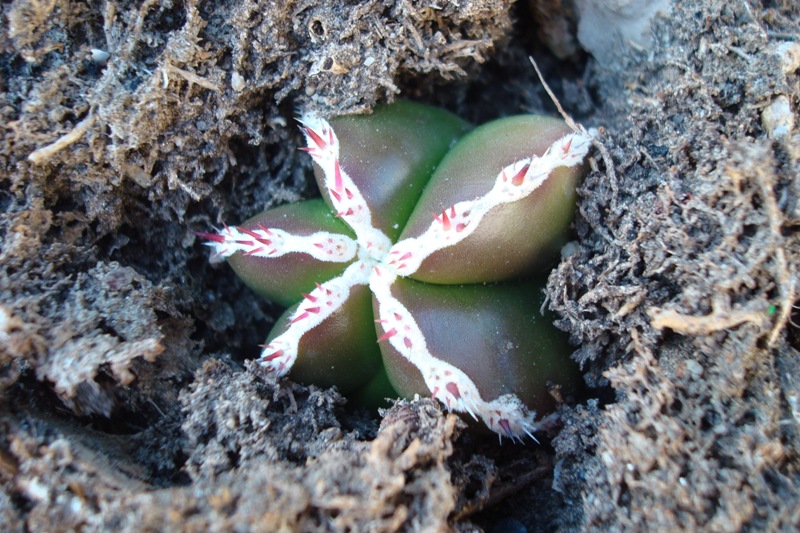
(424, 225)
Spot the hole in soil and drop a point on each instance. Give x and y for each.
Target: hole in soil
(316, 28)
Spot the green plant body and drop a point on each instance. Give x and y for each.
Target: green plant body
(417, 264)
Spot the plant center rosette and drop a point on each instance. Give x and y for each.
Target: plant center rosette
(416, 266)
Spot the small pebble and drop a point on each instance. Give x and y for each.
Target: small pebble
(789, 52)
(99, 57)
(694, 368)
(777, 118)
(237, 82)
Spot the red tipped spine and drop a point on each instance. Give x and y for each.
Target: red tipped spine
(388, 335)
(214, 237)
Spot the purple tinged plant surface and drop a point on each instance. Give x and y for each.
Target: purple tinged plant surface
(416, 206)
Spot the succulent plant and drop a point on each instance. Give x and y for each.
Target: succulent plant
(425, 241)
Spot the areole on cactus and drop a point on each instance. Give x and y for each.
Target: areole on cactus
(417, 262)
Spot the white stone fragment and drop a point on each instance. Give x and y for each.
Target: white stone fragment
(789, 54)
(237, 82)
(608, 27)
(99, 57)
(777, 118)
